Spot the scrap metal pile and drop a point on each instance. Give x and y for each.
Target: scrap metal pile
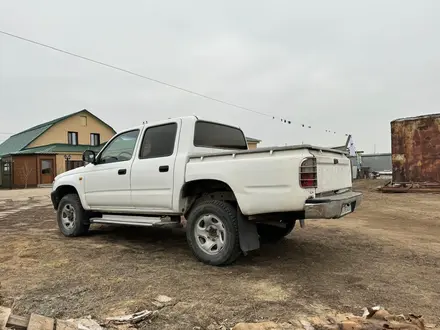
(414, 187)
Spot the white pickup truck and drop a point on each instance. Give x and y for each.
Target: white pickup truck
(231, 197)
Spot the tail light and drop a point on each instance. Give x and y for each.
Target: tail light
(308, 177)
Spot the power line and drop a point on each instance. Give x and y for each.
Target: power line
(154, 80)
(134, 74)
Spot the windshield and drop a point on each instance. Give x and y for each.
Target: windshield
(213, 135)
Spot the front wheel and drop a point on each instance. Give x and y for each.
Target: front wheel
(71, 217)
(212, 232)
(272, 234)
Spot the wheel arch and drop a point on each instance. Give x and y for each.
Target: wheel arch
(62, 191)
(202, 189)
(206, 188)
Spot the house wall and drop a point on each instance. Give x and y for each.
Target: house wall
(61, 161)
(76, 123)
(30, 164)
(22, 166)
(252, 145)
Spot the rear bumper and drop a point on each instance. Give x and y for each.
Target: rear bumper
(332, 207)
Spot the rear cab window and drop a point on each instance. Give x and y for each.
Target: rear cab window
(219, 136)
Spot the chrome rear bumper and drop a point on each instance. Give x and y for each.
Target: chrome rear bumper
(332, 207)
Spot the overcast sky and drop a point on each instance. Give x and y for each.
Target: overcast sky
(341, 65)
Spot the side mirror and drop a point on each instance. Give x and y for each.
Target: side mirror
(89, 156)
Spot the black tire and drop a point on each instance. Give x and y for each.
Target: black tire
(79, 221)
(226, 213)
(272, 234)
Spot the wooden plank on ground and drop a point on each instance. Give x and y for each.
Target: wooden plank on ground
(66, 325)
(38, 322)
(4, 317)
(16, 321)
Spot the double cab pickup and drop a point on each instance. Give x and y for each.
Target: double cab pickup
(232, 198)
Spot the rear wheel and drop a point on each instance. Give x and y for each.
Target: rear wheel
(272, 234)
(212, 232)
(71, 217)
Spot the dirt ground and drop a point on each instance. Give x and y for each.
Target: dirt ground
(23, 194)
(387, 253)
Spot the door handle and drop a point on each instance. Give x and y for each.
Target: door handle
(122, 171)
(164, 168)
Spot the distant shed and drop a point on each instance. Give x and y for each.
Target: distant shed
(375, 162)
(415, 147)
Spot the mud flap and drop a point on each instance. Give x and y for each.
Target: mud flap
(247, 230)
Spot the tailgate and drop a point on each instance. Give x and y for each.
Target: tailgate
(333, 171)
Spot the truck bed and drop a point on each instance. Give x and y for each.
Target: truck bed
(266, 180)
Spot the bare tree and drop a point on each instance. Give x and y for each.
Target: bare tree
(25, 172)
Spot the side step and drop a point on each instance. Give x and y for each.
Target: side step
(130, 220)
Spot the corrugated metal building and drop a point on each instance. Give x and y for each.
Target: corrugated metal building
(415, 146)
(376, 162)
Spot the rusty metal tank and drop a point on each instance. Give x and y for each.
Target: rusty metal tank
(415, 146)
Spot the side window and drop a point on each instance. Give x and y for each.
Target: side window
(95, 139)
(6, 168)
(158, 141)
(72, 138)
(120, 149)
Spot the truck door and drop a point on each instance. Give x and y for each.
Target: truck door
(152, 172)
(107, 183)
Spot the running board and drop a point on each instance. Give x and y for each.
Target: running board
(129, 220)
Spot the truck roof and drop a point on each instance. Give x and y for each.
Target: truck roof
(192, 118)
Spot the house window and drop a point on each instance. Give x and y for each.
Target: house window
(46, 166)
(95, 139)
(72, 138)
(6, 168)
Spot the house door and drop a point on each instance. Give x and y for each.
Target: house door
(6, 172)
(46, 171)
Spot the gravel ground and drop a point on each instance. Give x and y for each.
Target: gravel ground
(387, 253)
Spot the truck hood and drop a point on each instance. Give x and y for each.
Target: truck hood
(77, 170)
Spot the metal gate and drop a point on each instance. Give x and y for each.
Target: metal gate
(71, 164)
